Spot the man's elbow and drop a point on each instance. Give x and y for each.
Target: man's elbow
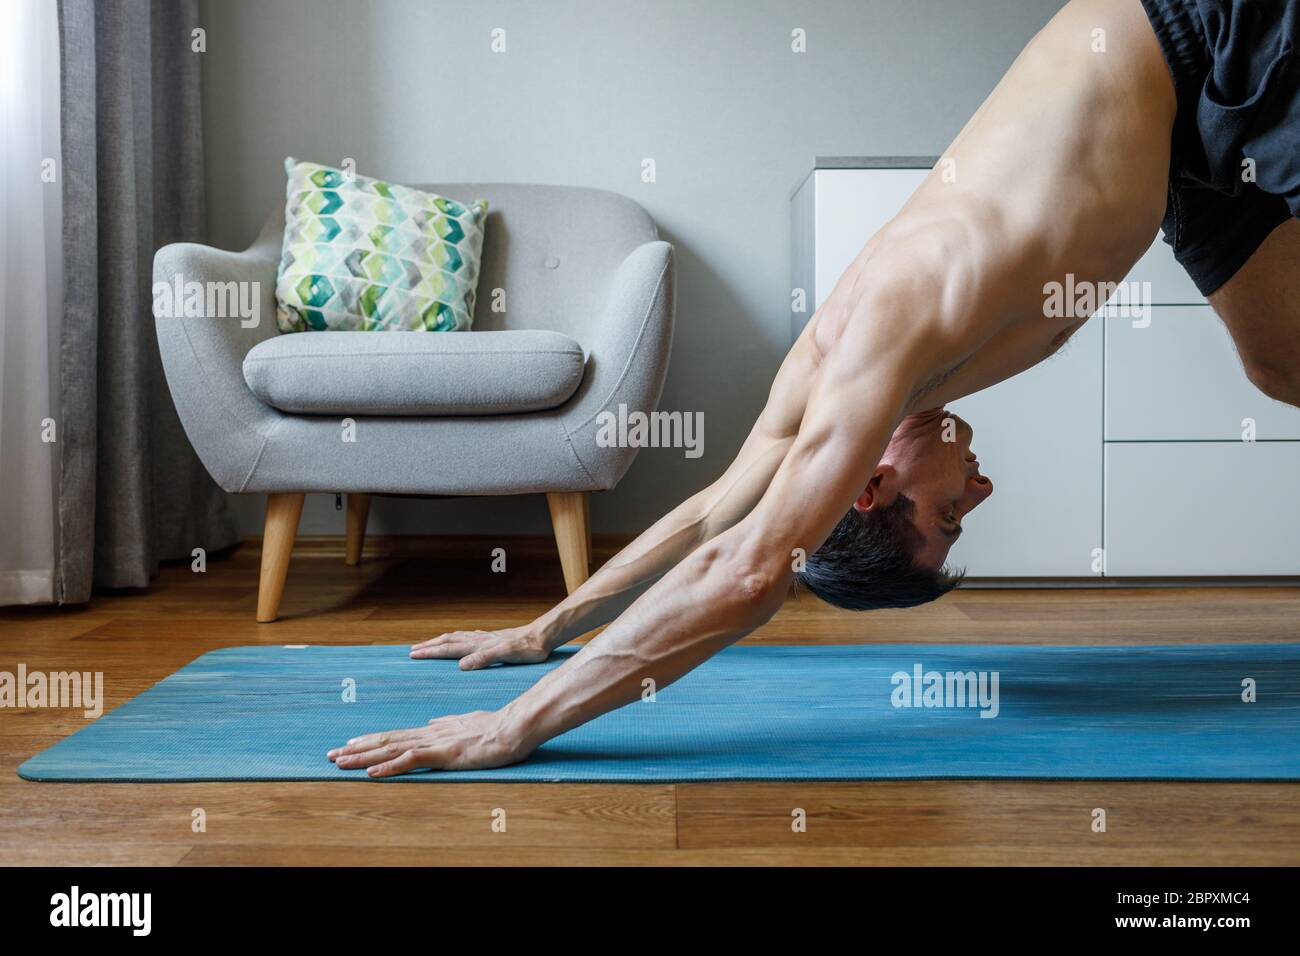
(748, 587)
(757, 586)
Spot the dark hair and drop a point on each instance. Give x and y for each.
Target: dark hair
(868, 562)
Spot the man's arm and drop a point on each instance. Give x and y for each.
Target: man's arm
(632, 571)
(720, 592)
(736, 582)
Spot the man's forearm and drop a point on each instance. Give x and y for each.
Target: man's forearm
(626, 576)
(635, 569)
(703, 517)
(699, 607)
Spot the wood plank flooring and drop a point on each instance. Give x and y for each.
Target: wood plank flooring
(407, 589)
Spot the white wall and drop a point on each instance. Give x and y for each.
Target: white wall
(585, 90)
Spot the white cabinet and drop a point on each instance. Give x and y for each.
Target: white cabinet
(1038, 436)
(1174, 375)
(849, 208)
(1202, 508)
(1202, 468)
(1130, 440)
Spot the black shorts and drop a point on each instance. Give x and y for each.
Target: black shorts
(1234, 171)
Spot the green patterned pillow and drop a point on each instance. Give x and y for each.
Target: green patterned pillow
(363, 254)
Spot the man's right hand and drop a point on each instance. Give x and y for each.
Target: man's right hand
(476, 649)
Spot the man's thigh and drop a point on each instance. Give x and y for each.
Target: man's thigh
(1260, 305)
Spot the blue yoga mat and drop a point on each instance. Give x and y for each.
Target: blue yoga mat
(750, 713)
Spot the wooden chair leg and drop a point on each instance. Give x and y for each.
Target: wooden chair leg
(358, 512)
(569, 519)
(586, 521)
(282, 513)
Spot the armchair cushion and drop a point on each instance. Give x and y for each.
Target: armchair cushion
(413, 373)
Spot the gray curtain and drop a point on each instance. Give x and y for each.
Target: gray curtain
(132, 490)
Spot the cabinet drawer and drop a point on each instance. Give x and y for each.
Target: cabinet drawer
(1202, 508)
(1170, 284)
(1179, 378)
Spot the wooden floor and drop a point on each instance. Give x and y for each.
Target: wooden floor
(416, 588)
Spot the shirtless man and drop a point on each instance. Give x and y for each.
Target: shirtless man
(1085, 146)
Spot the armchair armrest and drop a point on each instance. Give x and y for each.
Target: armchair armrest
(202, 354)
(628, 346)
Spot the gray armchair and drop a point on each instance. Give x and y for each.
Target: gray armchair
(578, 263)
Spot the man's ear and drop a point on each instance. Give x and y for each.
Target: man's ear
(881, 491)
